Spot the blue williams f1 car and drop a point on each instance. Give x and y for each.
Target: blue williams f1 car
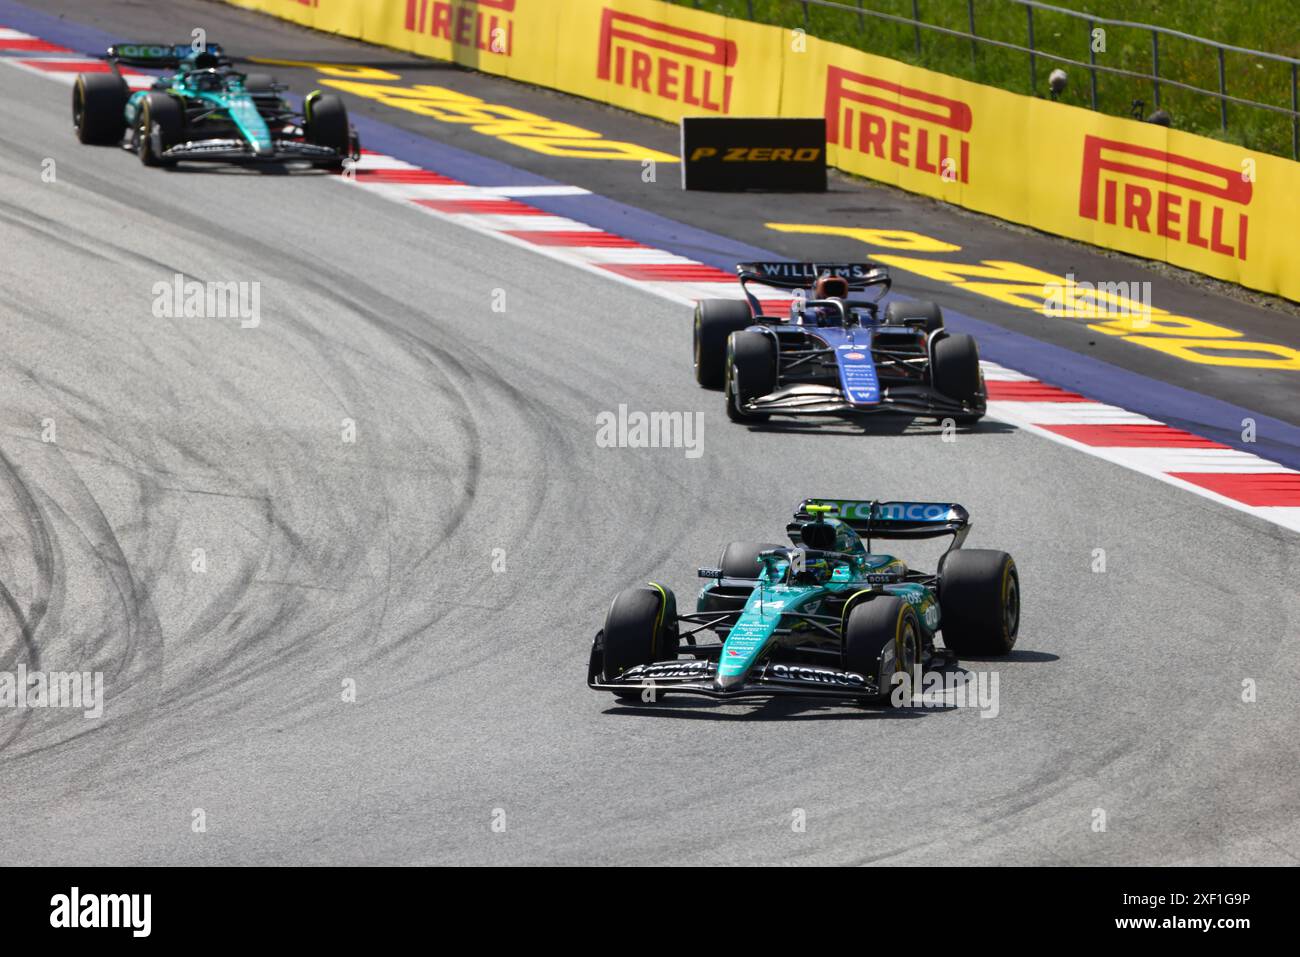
(206, 111)
(834, 354)
(827, 617)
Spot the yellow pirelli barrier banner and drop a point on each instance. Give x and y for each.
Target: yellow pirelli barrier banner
(1142, 189)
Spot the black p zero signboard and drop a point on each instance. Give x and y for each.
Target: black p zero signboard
(733, 153)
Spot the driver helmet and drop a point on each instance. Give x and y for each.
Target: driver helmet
(827, 287)
(207, 80)
(831, 287)
(815, 571)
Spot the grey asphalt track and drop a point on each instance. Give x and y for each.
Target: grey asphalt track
(372, 561)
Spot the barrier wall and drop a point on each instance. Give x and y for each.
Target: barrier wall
(1154, 192)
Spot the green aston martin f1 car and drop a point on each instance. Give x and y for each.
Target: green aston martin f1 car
(827, 617)
(206, 111)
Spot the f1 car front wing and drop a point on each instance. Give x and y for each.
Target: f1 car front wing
(699, 677)
(813, 399)
(238, 151)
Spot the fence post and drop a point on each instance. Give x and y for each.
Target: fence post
(1155, 65)
(1295, 116)
(974, 44)
(1223, 89)
(861, 19)
(916, 18)
(1092, 60)
(805, 15)
(749, 5)
(1033, 67)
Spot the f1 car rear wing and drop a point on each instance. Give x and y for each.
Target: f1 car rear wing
(159, 56)
(895, 519)
(802, 275)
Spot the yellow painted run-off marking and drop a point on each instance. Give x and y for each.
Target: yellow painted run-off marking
(530, 131)
(1036, 290)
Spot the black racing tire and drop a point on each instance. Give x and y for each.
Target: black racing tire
(740, 559)
(259, 84)
(327, 124)
(955, 367)
(715, 321)
(979, 602)
(640, 628)
(166, 113)
(715, 600)
(898, 312)
(98, 108)
(751, 373)
(267, 99)
(874, 634)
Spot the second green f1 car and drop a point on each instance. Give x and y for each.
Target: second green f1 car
(206, 111)
(826, 618)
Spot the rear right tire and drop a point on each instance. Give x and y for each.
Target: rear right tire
(259, 84)
(98, 108)
(740, 559)
(898, 312)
